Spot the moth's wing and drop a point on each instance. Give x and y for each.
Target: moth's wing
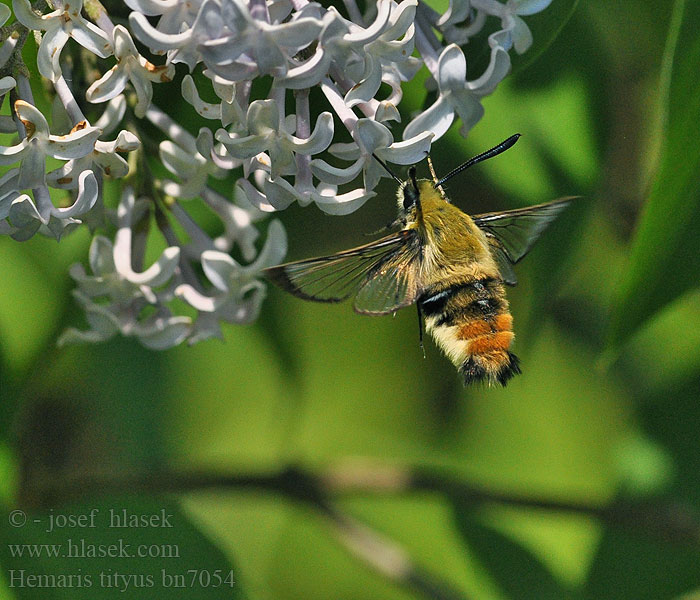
(393, 283)
(512, 233)
(505, 266)
(336, 277)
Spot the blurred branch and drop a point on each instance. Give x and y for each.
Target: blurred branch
(670, 521)
(666, 519)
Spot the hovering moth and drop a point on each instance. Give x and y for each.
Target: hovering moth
(452, 266)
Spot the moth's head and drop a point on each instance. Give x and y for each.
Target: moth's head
(413, 191)
(408, 196)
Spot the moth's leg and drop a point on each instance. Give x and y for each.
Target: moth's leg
(420, 328)
(388, 227)
(435, 179)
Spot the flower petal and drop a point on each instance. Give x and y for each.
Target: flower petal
(152, 8)
(49, 54)
(263, 116)
(112, 115)
(403, 17)
(191, 95)
(469, 109)
(26, 15)
(367, 88)
(74, 145)
(242, 147)
(437, 119)
(101, 256)
(528, 7)
(361, 36)
(345, 151)
(273, 251)
(410, 151)
(281, 194)
(496, 71)
(163, 333)
(109, 86)
(154, 39)
(30, 114)
(6, 83)
(144, 92)
(522, 36)
(25, 216)
(335, 175)
(195, 298)
(371, 135)
(12, 154)
(309, 73)
(5, 13)
(387, 111)
(157, 274)
(87, 196)
(343, 204)
(452, 68)
(219, 268)
(295, 34)
(255, 196)
(91, 37)
(32, 170)
(75, 336)
(246, 307)
(457, 12)
(320, 137)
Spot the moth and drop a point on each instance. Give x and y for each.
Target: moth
(452, 266)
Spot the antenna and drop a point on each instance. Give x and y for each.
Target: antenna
(495, 151)
(414, 183)
(386, 168)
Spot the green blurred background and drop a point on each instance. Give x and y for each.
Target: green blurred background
(607, 317)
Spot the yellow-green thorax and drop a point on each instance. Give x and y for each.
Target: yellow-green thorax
(453, 244)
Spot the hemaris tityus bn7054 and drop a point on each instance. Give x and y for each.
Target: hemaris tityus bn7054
(452, 266)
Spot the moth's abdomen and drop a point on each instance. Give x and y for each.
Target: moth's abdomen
(471, 322)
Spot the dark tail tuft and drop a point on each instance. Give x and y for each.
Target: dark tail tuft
(509, 369)
(472, 371)
(476, 370)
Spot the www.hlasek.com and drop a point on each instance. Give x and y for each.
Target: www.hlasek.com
(80, 548)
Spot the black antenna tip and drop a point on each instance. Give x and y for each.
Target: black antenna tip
(495, 151)
(512, 139)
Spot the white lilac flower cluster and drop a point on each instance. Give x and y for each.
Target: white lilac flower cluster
(269, 65)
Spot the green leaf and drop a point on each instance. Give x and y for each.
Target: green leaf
(634, 566)
(545, 27)
(639, 564)
(179, 561)
(665, 256)
(516, 570)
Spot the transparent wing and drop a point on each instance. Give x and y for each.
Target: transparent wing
(512, 233)
(338, 276)
(391, 285)
(505, 266)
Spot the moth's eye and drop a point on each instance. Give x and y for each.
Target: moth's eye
(410, 195)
